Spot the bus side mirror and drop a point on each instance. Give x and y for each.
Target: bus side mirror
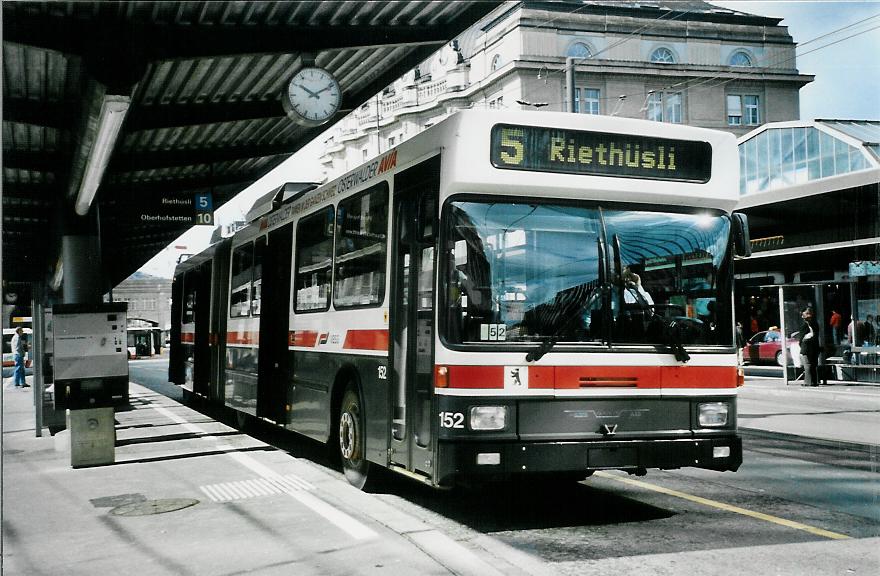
(741, 242)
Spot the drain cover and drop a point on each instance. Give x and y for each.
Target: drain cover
(153, 507)
(117, 500)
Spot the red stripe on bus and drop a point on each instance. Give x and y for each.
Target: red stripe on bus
(366, 340)
(585, 377)
(187, 337)
(542, 376)
(476, 376)
(306, 338)
(8, 363)
(698, 376)
(575, 377)
(243, 338)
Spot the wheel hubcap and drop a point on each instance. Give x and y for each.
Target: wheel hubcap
(346, 435)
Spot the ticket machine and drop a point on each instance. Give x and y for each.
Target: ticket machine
(91, 373)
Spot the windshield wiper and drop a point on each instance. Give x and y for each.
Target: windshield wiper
(601, 287)
(549, 343)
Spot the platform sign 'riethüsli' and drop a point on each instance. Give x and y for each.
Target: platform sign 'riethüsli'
(198, 209)
(204, 205)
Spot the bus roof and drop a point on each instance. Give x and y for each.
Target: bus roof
(469, 141)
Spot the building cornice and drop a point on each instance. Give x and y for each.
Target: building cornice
(717, 16)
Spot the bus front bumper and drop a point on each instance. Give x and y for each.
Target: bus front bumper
(504, 459)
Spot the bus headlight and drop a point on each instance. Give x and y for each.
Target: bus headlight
(488, 417)
(713, 414)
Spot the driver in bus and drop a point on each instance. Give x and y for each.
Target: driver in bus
(635, 293)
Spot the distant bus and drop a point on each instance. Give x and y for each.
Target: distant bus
(143, 341)
(506, 293)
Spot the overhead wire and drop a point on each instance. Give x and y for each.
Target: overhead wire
(757, 69)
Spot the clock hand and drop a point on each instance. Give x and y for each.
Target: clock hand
(311, 94)
(327, 87)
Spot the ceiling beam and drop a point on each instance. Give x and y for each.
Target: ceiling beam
(43, 161)
(162, 41)
(171, 116)
(40, 113)
(178, 185)
(154, 117)
(135, 161)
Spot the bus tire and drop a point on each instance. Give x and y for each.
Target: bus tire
(352, 441)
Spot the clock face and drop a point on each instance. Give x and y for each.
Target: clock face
(313, 96)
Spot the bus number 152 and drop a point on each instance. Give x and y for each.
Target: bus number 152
(451, 420)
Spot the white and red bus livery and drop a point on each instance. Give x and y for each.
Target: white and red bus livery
(505, 293)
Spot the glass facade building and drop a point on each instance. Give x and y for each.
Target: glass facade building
(811, 191)
(781, 156)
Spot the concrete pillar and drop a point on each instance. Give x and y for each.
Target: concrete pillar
(83, 276)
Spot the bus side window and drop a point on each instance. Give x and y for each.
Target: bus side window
(240, 288)
(362, 224)
(259, 254)
(314, 259)
(189, 297)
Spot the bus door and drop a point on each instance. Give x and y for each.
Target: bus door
(272, 304)
(412, 317)
(201, 312)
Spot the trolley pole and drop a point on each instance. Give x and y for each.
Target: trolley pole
(569, 83)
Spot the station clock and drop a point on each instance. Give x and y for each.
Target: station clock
(312, 96)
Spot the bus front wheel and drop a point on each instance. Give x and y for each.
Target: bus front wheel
(351, 439)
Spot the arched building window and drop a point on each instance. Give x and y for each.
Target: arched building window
(741, 58)
(496, 63)
(579, 50)
(662, 55)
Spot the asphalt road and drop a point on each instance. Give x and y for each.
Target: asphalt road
(791, 497)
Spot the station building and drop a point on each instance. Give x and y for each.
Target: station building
(679, 62)
(148, 298)
(811, 191)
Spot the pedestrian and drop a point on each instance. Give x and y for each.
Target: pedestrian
(808, 338)
(19, 350)
(869, 330)
(835, 323)
(877, 329)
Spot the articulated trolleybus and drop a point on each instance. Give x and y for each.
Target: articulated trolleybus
(506, 293)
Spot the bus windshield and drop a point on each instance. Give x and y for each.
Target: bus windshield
(585, 274)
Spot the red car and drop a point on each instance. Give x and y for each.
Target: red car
(766, 346)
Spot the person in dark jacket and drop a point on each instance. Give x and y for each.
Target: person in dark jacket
(808, 338)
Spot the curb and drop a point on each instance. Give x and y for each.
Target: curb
(872, 449)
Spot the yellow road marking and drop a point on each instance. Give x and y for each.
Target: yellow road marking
(727, 507)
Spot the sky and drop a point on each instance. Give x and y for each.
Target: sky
(847, 83)
(846, 86)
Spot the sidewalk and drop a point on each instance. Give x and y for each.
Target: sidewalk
(188, 495)
(838, 412)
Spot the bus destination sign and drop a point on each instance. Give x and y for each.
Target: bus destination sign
(599, 153)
